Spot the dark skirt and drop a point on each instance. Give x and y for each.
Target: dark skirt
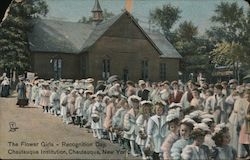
(22, 102)
(5, 91)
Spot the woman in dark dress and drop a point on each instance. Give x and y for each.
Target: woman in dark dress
(21, 91)
(5, 87)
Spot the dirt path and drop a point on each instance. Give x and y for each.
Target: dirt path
(41, 135)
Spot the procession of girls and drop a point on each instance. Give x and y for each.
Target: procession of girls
(154, 121)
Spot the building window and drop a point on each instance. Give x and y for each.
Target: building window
(125, 74)
(84, 65)
(144, 72)
(57, 68)
(163, 71)
(106, 68)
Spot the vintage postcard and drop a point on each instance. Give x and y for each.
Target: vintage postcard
(125, 79)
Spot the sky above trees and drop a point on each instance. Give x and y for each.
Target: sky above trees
(197, 11)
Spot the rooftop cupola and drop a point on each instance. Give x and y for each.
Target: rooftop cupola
(97, 12)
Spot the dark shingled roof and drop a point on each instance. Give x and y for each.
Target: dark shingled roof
(58, 36)
(73, 37)
(166, 48)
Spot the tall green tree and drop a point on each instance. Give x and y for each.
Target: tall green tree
(165, 17)
(194, 50)
(246, 44)
(230, 36)
(229, 21)
(14, 52)
(187, 31)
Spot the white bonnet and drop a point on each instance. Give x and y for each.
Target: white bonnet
(172, 116)
(189, 120)
(202, 126)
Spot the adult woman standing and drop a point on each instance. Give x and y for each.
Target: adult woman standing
(244, 137)
(5, 85)
(236, 120)
(21, 93)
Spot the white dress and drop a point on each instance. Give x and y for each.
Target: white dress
(156, 132)
(118, 119)
(44, 101)
(208, 104)
(55, 100)
(236, 120)
(87, 110)
(141, 125)
(230, 100)
(164, 94)
(79, 105)
(130, 125)
(64, 106)
(34, 91)
(97, 111)
(184, 100)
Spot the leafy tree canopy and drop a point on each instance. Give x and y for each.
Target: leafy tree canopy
(187, 31)
(165, 17)
(14, 52)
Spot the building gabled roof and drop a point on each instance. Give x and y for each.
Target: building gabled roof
(73, 37)
(166, 48)
(58, 36)
(162, 45)
(99, 30)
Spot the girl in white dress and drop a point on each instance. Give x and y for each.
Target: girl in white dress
(141, 123)
(130, 122)
(111, 108)
(156, 130)
(45, 94)
(97, 116)
(79, 107)
(118, 119)
(35, 92)
(54, 101)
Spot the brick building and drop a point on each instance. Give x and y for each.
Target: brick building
(118, 45)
